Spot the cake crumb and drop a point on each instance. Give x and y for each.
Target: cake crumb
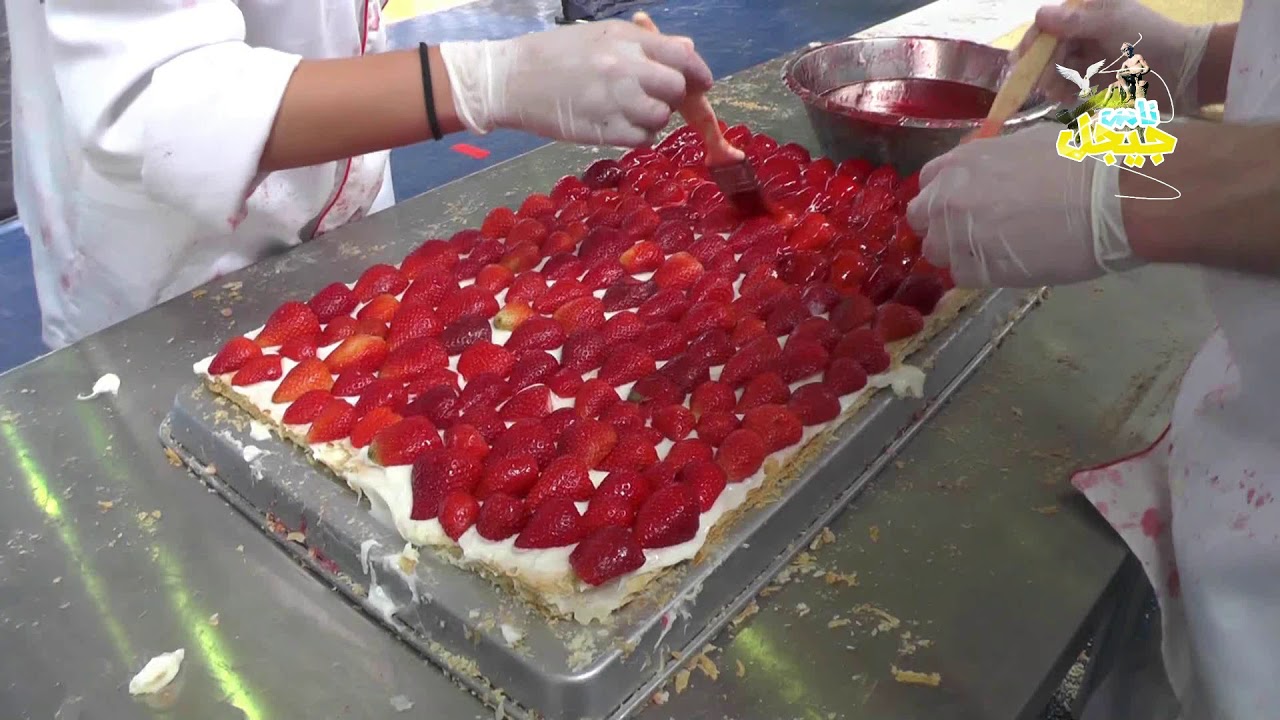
(225, 312)
(400, 704)
(838, 623)
(874, 532)
(846, 579)
(197, 294)
(887, 622)
(214, 620)
(802, 609)
(176, 461)
(825, 537)
(682, 681)
(911, 677)
(751, 609)
(1047, 509)
(707, 666)
(742, 669)
(105, 505)
(661, 697)
(296, 537)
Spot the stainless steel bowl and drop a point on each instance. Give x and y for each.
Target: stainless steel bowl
(906, 143)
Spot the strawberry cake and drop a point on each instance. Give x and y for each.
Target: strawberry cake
(580, 394)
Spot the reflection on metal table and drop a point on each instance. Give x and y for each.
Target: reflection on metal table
(968, 557)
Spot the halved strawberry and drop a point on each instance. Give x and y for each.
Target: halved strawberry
(532, 402)
(485, 357)
(403, 442)
(561, 292)
(580, 313)
(764, 389)
(466, 302)
(464, 241)
(359, 352)
(371, 424)
(706, 479)
(603, 274)
(334, 422)
(866, 347)
(531, 368)
(594, 397)
(467, 439)
(627, 294)
(486, 391)
(435, 377)
(712, 396)
(437, 473)
(464, 333)
(300, 348)
(306, 408)
(714, 427)
(897, 322)
(429, 288)
(512, 315)
(626, 364)
(623, 327)
(564, 477)
(583, 351)
(412, 321)
(776, 425)
(741, 454)
(305, 376)
(382, 392)
(414, 358)
(234, 355)
(674, 421)
(669, 304)
(758, 356)
(589, 440)
(338, 329)
(801, 359)
(645, 256)
(510, 474)
(688, 450)
(458, 512)
(564, 383)
(350, 383)
(844, 376)
(521, 257)
(331, 301)
(669, 517)
(529, 436)
(371, 326)
(434, 255)
(554, 523)
(381, 308)
(656, 390)
(497, 223)
(625, 417)
(634, 451)
(608, 553)
(714, 347)
(440, 405)
(291, 320)
(705, 316)
(537, 333)
(608, 512)
(379, 279)
(494, 278)
(259, 369)
(814, 404)
(527, 287)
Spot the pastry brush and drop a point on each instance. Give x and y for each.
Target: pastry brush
(727, 164)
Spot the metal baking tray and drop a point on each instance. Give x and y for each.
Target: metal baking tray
(504, 651)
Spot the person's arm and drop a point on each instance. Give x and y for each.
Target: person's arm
(336, 109)
(1215, 68)
(1229, 213)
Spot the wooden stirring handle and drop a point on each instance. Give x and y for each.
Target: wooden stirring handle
(697, 112)
(1021, 81)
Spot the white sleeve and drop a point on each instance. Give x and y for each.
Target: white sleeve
(168, 90)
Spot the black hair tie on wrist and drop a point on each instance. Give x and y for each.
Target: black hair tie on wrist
(428, 94)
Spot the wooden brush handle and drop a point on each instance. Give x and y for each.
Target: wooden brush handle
(1021, 81)
(697, 112)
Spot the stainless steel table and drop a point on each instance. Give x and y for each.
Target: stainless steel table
(969, 557)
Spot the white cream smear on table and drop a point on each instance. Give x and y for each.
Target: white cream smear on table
(157, 673)
(390, 490)
(108, 384)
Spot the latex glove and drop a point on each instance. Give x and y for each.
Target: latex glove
(607, 83)
(1011, 212)
(1095, 31)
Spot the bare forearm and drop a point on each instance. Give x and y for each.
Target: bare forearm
(336, 109)
(1229, 213)
(1215, 68)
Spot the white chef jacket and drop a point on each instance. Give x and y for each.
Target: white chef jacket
(137, 130)
(1201, 508)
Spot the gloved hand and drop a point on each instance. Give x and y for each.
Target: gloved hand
(1011, 212)
(607, 83)
(1095, 31)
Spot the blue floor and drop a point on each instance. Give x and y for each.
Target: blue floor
(731, 34)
